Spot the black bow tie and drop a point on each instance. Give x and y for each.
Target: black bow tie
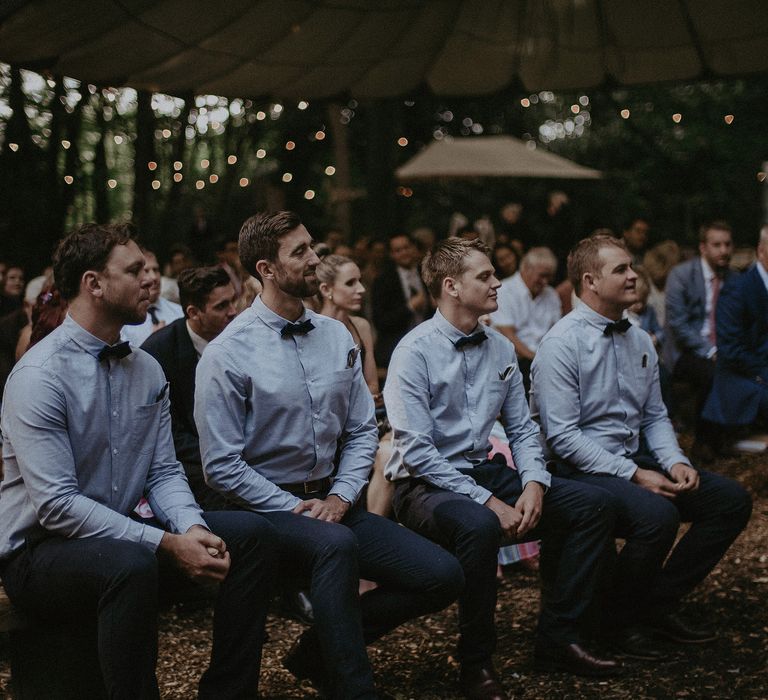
(617, 327)
(302, 328)
(474, 339)
(116, 352)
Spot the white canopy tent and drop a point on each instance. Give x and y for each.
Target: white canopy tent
(489, 156)
(382, 48)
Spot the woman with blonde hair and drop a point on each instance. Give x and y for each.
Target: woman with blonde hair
(341, 294)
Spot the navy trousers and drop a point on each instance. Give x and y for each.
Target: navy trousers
(575, 528)
(414, 577)
(644, 585)
(116, 582)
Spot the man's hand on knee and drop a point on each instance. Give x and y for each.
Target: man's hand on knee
(655, 482)
(331, 508)
(685, 477)
(529, 505)
(199, 553)
(509, 517)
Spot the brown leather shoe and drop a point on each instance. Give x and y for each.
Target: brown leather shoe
(574, 658)
(481, 683)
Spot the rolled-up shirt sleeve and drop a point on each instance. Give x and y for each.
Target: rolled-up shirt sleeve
(558, 401)
(221, 406)
(406, 395)
(43, 452)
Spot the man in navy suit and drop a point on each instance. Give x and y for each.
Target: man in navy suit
(208, 300)
(400, 299)
(690, 348)
(739, 393)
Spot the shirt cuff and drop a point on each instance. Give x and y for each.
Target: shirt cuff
(627, 469)
(542, 477)
(345, 492)
(479, 494)
(152, 537)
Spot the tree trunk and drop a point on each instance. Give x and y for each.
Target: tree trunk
(142, 183)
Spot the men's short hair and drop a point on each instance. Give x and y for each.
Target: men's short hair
(197, 283)
(260, 237)
(448, 259)
(86, 247)
(717, 225)
(585, 257)
(540, 255)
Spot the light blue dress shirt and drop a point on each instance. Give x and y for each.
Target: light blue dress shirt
(85, 439)
(442, 403)
(271, 410)
(594, 393)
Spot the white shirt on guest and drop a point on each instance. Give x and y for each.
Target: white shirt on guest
(530, 316)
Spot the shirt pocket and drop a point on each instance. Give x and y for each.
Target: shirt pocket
(145, 425)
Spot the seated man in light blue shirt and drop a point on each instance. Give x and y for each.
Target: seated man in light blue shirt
(595, 391)
(447, 383)
(279, 393)
(88, 433)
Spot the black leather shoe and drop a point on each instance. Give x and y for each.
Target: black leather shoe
(636, 644)
(574, 658)
(307, 664)
(297, 606)
(481, 683)
(673, 627)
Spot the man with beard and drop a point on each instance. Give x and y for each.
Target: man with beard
(87, 434)
(287, 429)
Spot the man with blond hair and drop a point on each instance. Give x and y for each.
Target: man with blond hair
(448, 381)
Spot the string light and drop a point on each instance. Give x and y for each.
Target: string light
(287, 177)
(166, 133)
(213, 178)
(204, 163)
(289, 145)
(243, 182)
(402, 142)
(525, 102)
(152, 165)
(231, 160)
(330, 170)
(65, 144)
(261, 116)
(575, 109)
(261, 153)
(112, 184)
(319, 135)
(677, 117)
(303, 105)
(118, 140)
(309, 194)
(178, 177)
(624, 114)
(13, 146)
(728, 119)
(178, 165)
(155, 184)
(69, 179)
(200, 184)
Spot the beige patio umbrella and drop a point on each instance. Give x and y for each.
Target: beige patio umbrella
(309, 49)
(489, 156)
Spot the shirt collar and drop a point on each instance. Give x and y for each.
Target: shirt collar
(198, 342)
(89, 342)
(271, 319)
(707, 271)
(591, 316)
(448, 329)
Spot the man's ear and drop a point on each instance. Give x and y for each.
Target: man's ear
(192, 312)
(588, 281)
(265, 269)
(91, 282)
(451, 287)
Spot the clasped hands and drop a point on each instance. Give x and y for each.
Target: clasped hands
(681, 478)
(516, 521)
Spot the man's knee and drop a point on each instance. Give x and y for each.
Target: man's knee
(659, 523)
(339, 541)
(119, 559)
